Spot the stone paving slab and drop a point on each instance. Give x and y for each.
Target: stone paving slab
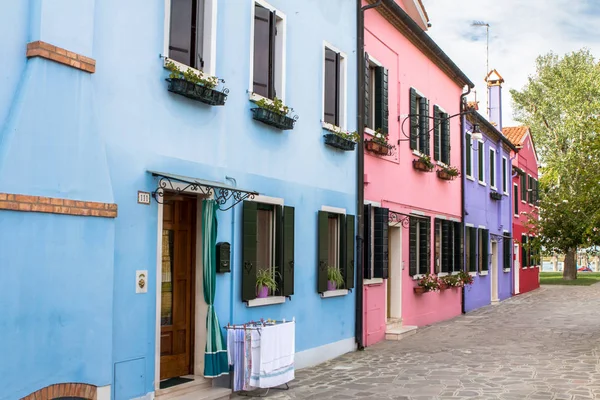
(542, 345)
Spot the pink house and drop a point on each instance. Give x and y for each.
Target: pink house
(413, 217)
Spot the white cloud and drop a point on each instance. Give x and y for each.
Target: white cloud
(520, 30)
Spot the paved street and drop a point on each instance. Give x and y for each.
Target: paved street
(542, 345)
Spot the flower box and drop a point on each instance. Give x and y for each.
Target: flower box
(445, 175)
(197, 92)
(496, 196)
(443, 286)
(339, 142)
(272, 118)
(419, 289)
(377, 148)
(421, 166)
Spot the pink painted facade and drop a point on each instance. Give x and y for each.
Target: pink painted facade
(392, 182)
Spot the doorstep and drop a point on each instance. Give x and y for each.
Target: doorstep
(199, 389)
(399, 333)
(393, 323)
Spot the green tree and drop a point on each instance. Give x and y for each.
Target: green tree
(561, 105)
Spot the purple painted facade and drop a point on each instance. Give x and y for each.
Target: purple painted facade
(482, 212)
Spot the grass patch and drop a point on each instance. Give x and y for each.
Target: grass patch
(583, 279)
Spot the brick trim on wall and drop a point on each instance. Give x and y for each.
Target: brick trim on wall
(81, 390)
(22, 202)
(60, 55)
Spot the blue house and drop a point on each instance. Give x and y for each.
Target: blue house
(143, 200)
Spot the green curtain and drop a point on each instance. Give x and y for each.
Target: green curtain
(215, 353)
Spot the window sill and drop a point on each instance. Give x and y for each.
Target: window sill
(334, 293)
(494, 188)
(254, 97)
(506, 270)
(442, 274)
(473, 273)
(505, 193)
(482, 183)
(484, 273)
(455, 273)
(373, 281)
(417, 277)
(470, 178)
(418, 153)
(183, 68)
(266, 301)
(369, 131)
(331, 128)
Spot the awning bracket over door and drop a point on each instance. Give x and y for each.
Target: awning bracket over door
(221, 192)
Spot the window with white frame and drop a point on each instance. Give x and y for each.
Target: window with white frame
(190, 34)
(268, 56)
(492, 168)
(419, 245)
(505, 175)
(376, 96)
(419, 122)
(441, 135)
(334, 87)
(469, 155)
(481, 162)
(516, 200)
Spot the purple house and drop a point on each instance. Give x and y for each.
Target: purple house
(487, 177)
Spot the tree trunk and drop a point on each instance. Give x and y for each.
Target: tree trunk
(570, 269)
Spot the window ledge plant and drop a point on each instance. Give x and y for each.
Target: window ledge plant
(428, 283)
(195, 86)
(274, 113)
(379, 144)
(341, 140)
(265, 283)
(423, 163)
(447, 173)
(335, 280)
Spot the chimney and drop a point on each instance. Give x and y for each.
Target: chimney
(494, 84)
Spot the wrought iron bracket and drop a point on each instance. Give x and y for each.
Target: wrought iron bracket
(396, 218)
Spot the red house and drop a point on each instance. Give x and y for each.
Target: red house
(525, 195)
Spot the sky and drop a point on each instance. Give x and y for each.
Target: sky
(520, 30)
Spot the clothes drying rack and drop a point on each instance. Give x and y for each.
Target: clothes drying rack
(252, 325)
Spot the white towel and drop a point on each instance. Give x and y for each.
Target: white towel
(277, 349)
(256, 346)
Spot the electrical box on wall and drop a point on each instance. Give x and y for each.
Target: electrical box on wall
(223, 257)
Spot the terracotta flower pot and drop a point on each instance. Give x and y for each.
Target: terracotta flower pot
(262, 292)
(421, 166)
(419, 290)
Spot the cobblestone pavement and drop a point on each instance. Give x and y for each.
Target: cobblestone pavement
(541, 345)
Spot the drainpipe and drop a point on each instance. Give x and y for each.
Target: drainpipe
(360, 167)
(463, 108)
(231, 255)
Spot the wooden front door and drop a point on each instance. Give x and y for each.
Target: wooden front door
(177, 295)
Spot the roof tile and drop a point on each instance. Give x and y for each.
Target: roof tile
(515, 134)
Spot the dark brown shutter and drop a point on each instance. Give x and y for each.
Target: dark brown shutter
(199, 34)
(323, 256)
(437, 124)
(424, 126)
(414, 119)
(485, 247)
(446, 249)
(367, 272)
(445, 128)
(412, 247)
(264, 56)
(381, 99)
(472, 249)
(348, 270)
(458, 247)
(249, 254)
(367, 91)
(287, 270)
(180, 35)
(332, 87)
(381, 243)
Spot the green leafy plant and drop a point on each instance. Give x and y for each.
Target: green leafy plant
(335, 275)
(451, 280)
(191, 76)
(465, 278)
(380, 137)
(275, 105)
(430, 282)
(425, 159)
(352, 136)
(265, 277)
(450, 171)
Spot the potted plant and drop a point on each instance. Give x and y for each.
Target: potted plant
(428, 283)
(265, 282)
(274, 113)
(450, 281)
(334, 278)
(342, 140)
(447, 173)
(423, 163)
(465, 278)
(195, 86)
(379, 144)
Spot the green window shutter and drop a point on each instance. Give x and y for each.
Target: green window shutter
(480, 160)
(414, 120)
(516, 199)
(381, 243)
(485, 236)
(367, 110)
(279, 248)
(446, 249)
(381, 99)
(523, 251)
(412, 247)
(446, 139)
(348, 258)
(424, 246)
(529, 251)
(492, 167)
(437, 127)
(472, 249)
(458, 247)
(249, 254)
(287, 270)
(504, 176)
(323, 260)
(506, 252)
(437, 245)
(367, 272)
(468, 154)
(424, 126)
(523, 187)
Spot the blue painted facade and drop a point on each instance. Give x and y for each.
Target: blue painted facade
(72, 314)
